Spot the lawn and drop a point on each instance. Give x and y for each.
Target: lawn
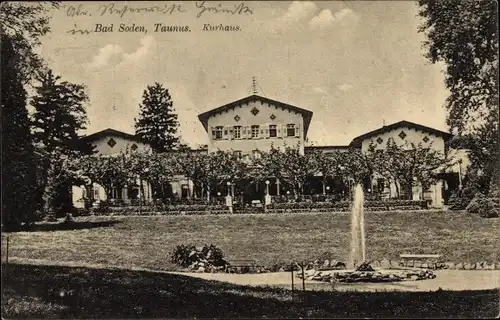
(63, 292)
(270, 239)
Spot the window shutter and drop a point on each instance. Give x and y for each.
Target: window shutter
(267, 131)
(283, 129)
(278, 131)
(297, 130)
(248, 133)
(213, 133)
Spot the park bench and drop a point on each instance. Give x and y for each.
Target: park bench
(239, 266)
(408, 260)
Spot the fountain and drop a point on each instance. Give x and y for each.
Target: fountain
(358, 269)
(357, 245)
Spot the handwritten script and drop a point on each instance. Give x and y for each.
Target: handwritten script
(121, 10)
(236, 10)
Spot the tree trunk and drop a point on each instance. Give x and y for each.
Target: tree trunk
(141, 186)
(409, 190)
(48, 191)
(396, 184)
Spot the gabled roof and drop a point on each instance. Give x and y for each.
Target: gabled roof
(356, 142)
(305, 113)
(111, 132)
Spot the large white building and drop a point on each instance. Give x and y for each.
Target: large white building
(256, 123)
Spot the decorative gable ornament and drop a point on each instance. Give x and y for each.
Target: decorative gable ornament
(111, 142)
(133, 147)
(426, 139)
(255, 111)
(402, 135)
(272, 116)
(237, 118)
(380, 140)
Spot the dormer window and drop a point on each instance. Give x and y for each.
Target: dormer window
(290, 130)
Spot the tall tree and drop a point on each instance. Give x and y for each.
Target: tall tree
(18, 162)
(59, 113)
(157, 123)
(22, 24)
(464, 35)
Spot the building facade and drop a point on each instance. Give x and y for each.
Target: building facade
(254, 124)
(112, 143)
(407, 133)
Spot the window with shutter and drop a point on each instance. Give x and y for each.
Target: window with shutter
(237, 132)
(218, 132)
(272, 131)
(255, 131)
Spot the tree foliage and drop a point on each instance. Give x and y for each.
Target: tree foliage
(328, 165)
(157, 123)
(21, 26)
(297, 168)
(19, 197)
(23, 23)
(59, 113)
(409, 164)
(464, 35)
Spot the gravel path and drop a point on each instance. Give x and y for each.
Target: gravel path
(455, 280)
(445, 279)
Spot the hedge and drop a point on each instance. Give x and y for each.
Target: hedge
(105, 208)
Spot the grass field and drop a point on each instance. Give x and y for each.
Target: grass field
(269, 239)
(63, 292)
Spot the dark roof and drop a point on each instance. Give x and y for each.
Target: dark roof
(356, 142)
(305, 113)
(111, 132)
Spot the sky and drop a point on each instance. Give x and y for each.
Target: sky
(356, 65)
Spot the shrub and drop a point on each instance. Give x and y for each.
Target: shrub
(473, 206)
(488, 208)
(208, 257)
(460, 199)
(184, 255)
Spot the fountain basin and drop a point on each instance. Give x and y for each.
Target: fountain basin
(377, 275)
